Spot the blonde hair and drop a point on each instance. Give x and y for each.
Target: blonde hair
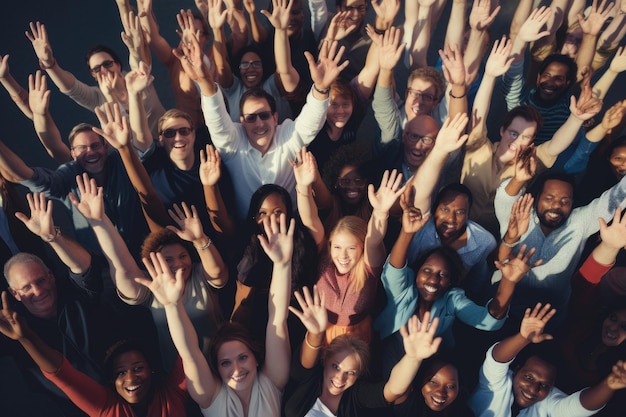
(357, 227)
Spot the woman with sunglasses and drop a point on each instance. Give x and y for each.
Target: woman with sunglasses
(349, 271)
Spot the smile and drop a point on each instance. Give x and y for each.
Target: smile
(438, 402)
(133, 388)
(431, 289)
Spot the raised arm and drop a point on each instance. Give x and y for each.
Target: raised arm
(456, 23)
(530, 31)
(210, 172)
(47, 130)
(389, 54)
(168, 288)
(591, 27)
(597, 396)
(480, 19)
(40, 222)
(136, 82)
(17, 92)
(421, 35)
(135, 40)
(279, 18)
(278, 245)
(38, 36)
(419, 343)
(217, 18)
(314, 317)
(12, 167)
(190, 229)
(518, 225)
(304, 171)
(531, 331)
(455, 75)
(412, 222)
(449, 139)
(259, 34)
(123, 267)
(612, 118)
(618, 65)
(381, 201)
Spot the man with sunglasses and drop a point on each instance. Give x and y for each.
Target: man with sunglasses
(105, 67)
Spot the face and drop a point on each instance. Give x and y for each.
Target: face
(103, 63)
(296, 19)
(415, 150)
(237, 365)
(341, 371)
(618, 162)
(33, 285)
(421, 98)
(351, 185)
(357, 9)
(614, 328)
(133, 376)
(451, 217)
(339, 111)
(442, 388)
(90, 151)
(179, 146)
(518, 135)
(573, 39)
(552, 83)
(533, 382)
(555, 204)
(252, 76)
(273, 204)
(177, 257)
(433, 278)
(260, 132)
(345, 251)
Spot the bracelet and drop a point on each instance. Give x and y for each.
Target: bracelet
(206, 246)
(306, 340)
(453, 96)
(57, 232)
(510, 245)
(43, 67)
(323, 92)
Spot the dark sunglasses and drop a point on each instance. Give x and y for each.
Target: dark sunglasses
(170, 133)
(106, 64)
(251, 118)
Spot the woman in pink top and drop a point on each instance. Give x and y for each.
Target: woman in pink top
(355, 252)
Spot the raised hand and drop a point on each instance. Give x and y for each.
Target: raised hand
(189, 52)
(279, 18)
(139, 79)
(535, 321)
(615, 234)
(525, 163)
(596, 18)
(390, 50)
(115, 127)
(40, 221)
(217, 14)
(38, 94)
(617, 378)
(530, 30)
(500, 58)
(412, 219)
(167, 287)
(481, 16)
(419, 339)
(91, 204)
(386, 11)
(278, 240)
(210, 166)
(313, 315)
(39, 38)
(133, 36)
(453, 66)
(249, 6)
(390, 189)
(450, 136)
(614, 116)
(618, 63)
(585, 108)
(326, 70)
(4, 66)
(514, 269)
(520, 218)
(304, 167)
(189, 225)
(340, 26)
(203, 7)
(11, 324)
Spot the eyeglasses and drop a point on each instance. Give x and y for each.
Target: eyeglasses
(426, 98)
(106, 64)
(244, 65)
(514, 135)
(29, 288)
(360, 9)
(251, 118)
(79, 149)
(414, 138)
(346, 182)
(171, 133)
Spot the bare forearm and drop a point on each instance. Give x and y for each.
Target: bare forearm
(212, 263)
(220, 59)
(401, 377)
(259, 34)
(288, 74)
(397, 258)
(50, 137)
(142, 135)
(12, 166)
(564, 136)
(18, 94)
(585, 54)
(218, 213)
(597, 396)
(500, 303)
(71, 253)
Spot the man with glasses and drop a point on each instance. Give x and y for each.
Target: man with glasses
(105, 67)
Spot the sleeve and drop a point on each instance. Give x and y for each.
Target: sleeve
(387, 115)
(87, 96)
(83, 391)
(221, 128)
(472, 314)
(493, 375)
(558, 404)
(503, 203)
(319, 17)
(401, 299)
(585, 288)
(371, 394)
(512, 84)
(577, 163)
(177, 376)
(603, 206)
(310, 120)
(40, 182)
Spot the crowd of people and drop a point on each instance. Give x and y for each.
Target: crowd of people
(246, 253)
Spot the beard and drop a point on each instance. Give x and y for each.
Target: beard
(552, 223)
